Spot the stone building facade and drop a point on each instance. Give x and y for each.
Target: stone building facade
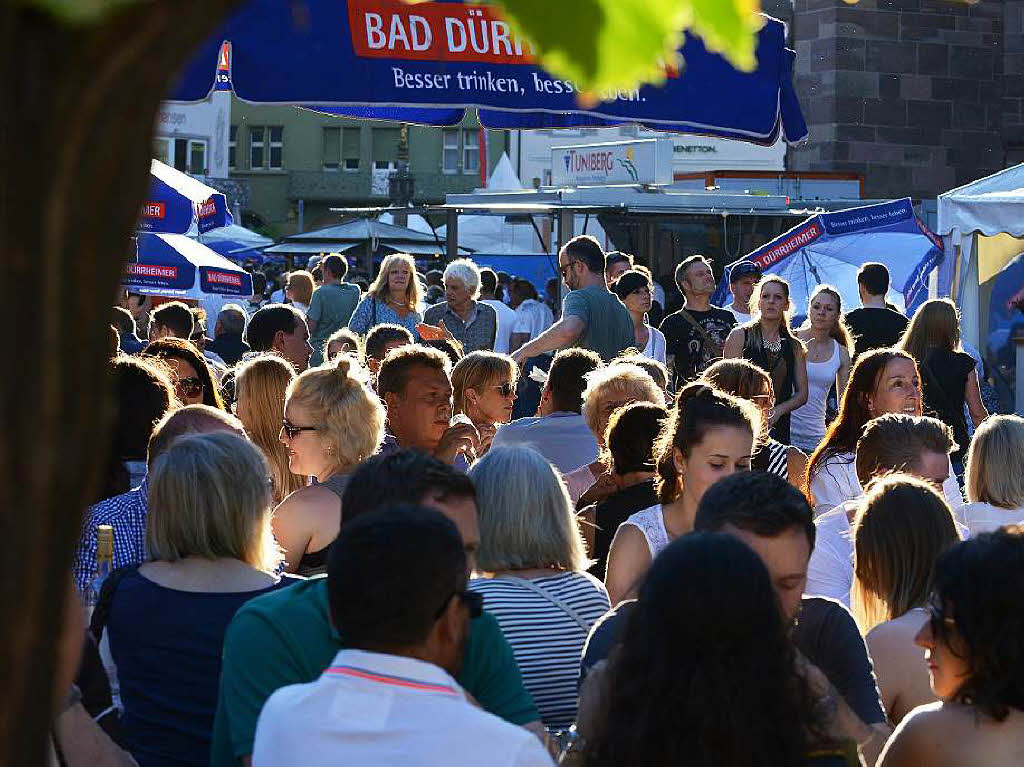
(919, 96)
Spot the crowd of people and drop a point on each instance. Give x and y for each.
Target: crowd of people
(436, 520)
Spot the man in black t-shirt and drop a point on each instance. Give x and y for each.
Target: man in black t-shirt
(695, 335)
(876, 325)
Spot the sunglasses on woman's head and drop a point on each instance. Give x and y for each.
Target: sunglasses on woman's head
(189, 387)
(291, 430)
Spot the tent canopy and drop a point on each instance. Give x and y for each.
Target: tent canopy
(830, 247)
(359, 232)
(176, 203)
(991, 205)
(177, 266)
(427, 62)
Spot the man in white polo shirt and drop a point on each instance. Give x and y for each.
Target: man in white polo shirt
(397, 592)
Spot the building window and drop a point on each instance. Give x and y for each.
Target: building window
(276, 146)
(197, 158)
(385, 147)
(331, 148)
(162, 150)
(350, 148)
(450, 151)
(470, 152)
(232, 146)
(256, 146)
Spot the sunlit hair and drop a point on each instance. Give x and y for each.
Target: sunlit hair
(902, 526)
(379, 287)
(339, 338)
(896, 441)
(465, 270)
(654, 369)
(300, 284)
(176, 348)
(699, 409)
(190, 419)
(348, 415)
(843, 433)
(209, 497)
(935, 325)
(480, 369)
(995, 462)
(979, 584)
(263, 381)
(515, 535)
(741, 378)
(624, 381)
(840, 332)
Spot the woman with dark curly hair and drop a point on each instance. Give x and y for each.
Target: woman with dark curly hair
(974, 648)
(193, 381)
(696, 684)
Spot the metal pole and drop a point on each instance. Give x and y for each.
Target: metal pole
(1018, 344)
(452, 234)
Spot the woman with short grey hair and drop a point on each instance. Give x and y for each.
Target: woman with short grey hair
(210, 550)
(532, 563)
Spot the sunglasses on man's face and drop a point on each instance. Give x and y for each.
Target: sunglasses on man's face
(291, 430)
(189, 387)
(562, 270)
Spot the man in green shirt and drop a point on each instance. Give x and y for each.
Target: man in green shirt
(332, 305)
(592, 316)
(286, 637)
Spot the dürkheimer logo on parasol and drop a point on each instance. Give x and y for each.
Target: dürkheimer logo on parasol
(149, 270)
(207, 208)
(786, 247)
(153, 210)
(224, 278)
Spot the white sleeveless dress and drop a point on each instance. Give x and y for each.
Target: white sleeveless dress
(651, 522)
(807, 422)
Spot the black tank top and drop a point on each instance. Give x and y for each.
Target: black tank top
(315, 562)
(779, 366)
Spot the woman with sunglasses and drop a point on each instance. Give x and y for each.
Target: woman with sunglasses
(974, 649)
(634, 289)
(193, 381)
(484, 390)
(332, 422)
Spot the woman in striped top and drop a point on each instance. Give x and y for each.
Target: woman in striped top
(535, 583)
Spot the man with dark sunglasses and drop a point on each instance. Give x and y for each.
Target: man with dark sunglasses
(397, 585)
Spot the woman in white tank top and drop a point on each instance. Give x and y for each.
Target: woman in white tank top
(828, 362)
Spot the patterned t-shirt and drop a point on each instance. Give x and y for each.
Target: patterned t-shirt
(685, 344)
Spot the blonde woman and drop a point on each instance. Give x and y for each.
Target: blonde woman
(210, 550)
(535, 586)
(299, 289)
(484, 390)
(608, 389)
(902, 527)
(828, 344)
(260, 386)
(995, 480)
(332, 422)
(769, 343)
(949, 379)
(393, 297)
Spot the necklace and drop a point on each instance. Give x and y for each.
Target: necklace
(772, 346)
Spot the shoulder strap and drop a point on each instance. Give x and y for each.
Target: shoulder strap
(373, 319)
(531, 586)
(704, 337)
(101, 612)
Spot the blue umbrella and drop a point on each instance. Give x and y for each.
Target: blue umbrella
(830, 247)
(176, 202)
(177, 266)
(427, 62)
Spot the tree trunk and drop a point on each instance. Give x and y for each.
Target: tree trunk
(77, 109)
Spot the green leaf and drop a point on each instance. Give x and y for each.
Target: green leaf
(79, 11)
(605, 45)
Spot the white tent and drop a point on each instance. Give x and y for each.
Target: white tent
(982, 226)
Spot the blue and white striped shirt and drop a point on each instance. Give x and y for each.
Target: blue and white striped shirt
(126, 513)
